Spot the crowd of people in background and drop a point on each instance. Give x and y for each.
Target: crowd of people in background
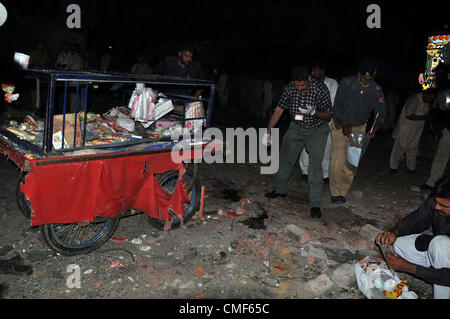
(256, 95)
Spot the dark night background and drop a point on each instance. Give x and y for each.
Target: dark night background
(267, 37)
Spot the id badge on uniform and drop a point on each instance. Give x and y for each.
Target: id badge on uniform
(300, 117)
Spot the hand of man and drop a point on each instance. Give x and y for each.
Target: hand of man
(399, 264)
(386, 238)
(266, 139)
(347, 130)
(310, 110)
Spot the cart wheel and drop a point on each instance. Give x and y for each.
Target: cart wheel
(79, 238)
(168, 182)
(22, 202)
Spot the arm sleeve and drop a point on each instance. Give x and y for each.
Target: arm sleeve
(418, 221)
(339, 111)
(324, 102)
(380, 106)
(434, 276)
(284, 99)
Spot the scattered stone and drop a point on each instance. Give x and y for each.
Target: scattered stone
(318, 286)
(200, 271)
(415, 189)
(339, 255)
(245, 201)
(317, 253)
(370, 232)
(298, 233)
(344, 276)
(269, 282)
(5, 250)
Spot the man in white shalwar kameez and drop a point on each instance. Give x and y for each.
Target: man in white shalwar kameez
(409, 129)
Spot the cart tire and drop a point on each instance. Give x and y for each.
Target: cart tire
(22, 202)
(58, 236)
(168, 182)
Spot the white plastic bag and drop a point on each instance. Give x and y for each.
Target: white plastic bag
(126, 123)
(377, 281)
(142, 105)
(356, 147)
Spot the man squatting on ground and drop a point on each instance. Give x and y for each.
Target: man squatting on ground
(309, 106)
(357, 98)
(424, 256)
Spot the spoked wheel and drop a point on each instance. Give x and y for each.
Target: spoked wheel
(168, 182)
(22, 202)
(79, 238)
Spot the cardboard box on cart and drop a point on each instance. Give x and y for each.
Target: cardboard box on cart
(69, 131)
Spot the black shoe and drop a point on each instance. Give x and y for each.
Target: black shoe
(334, 199)
(426, 187)
(338, 199)
(393, 171)
(326, 180)
(342, 199)
(274, 194)
(315, 212)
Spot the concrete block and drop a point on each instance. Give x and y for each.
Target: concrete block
(317, 286)
(318, 253)
(298, 233)
(370, 232)
(344, 275)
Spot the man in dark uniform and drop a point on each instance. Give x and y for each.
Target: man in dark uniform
(357, 98)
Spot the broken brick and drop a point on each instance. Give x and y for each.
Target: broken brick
(318, 286)
(370, 232)
(200, 271)
(344, 275)
(298, 233)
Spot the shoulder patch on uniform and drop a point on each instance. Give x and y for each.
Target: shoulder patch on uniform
(381, 100)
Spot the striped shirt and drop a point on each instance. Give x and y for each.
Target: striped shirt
(317, 95)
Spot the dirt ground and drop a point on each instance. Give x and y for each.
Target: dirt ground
(221, 256)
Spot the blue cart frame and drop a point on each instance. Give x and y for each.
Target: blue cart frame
(83, 80)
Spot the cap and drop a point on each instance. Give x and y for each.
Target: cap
(367, 67)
